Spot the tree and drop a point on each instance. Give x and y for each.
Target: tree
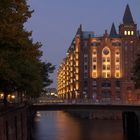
(20, 59)
(47, 69)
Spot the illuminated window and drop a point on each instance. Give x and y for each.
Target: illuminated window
(108, 59)
(76, 56)
(132, 32)
(77, 77)
(117, 63)
(128, 32)
(117, 75)
(108, 75)
(94, 63)
(117, 52)
(125, 32)
(94, 74)
(117, 67)
(104, 74)
(104, 67)
(77, 49)
(117, 59)
(106, 63)
(104, 59)
(94, 59)
(77, 70)
(76, 63)
(108, 67)
(77, 85)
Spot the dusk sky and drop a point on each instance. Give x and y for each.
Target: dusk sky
(54, 22)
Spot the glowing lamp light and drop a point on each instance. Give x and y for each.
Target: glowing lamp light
(13, 96)
(1, 95)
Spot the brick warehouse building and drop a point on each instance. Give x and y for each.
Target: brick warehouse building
(101, 67)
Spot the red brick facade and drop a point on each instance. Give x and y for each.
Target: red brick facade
(101, 67)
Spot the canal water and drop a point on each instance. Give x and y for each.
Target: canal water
(58, 125)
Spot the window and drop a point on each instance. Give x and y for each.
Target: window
(106, 84)
(108, 67)
(117, 64)
(104, 67)
(94, 67)
(104, 74)
(85, 75)
(132, 32)
(106, 94)
(117, 59)
(104, 59)
(117, 67)
(125, 32)
(106, 63)
(108, 75)
(85, 59)
(85, 83)
(117, 75)
(94, 52)
(94, 74)
(128, 32)
(108, 59)
(118, 84)
(94, 59)
(94, 83)
(116, 44)
(95, 44)
(85, 67)
(117, 52)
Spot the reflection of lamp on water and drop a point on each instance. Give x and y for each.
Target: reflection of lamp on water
(13, 97)
(1, 95)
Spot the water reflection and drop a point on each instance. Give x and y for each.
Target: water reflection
(62, 126)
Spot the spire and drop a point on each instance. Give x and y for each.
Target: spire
(79, 30)
(113, 30)
(127, 18)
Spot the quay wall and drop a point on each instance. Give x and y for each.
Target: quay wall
(15, 123)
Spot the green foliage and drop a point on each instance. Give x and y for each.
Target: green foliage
(20, 66)
(47, 68)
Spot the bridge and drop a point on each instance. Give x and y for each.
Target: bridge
(61, 106)
(130, 113)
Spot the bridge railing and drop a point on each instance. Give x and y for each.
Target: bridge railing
(83, 101)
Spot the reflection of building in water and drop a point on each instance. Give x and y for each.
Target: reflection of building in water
(101, 67)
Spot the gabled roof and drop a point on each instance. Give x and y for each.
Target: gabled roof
(113, 32)
(127, 18)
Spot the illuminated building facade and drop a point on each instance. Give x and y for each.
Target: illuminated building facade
(101, 67)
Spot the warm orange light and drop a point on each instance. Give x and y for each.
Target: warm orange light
(94, 74)
(77, 85)
(76, 63)
(1, 95)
